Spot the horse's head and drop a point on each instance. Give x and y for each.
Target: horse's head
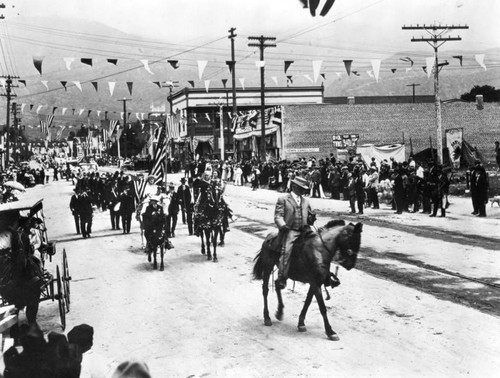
(347, 244)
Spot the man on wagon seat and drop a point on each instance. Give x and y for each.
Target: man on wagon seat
(292, 213)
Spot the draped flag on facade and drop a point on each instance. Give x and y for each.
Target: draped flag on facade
(112, 125)
(45, 122)
(172, 127)
(158, 169)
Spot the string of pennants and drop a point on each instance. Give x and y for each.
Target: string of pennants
(202, 64)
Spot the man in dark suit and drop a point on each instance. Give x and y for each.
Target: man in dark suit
(185, 200)
(173, 209)
(84, 209)
(127, 207)
(291, 215)
(73, 206)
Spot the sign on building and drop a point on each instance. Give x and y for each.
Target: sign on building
(345, 140)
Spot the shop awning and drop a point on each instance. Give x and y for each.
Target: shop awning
(249, 132)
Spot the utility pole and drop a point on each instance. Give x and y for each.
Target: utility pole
(9, 95)
(233, 67)
(124, 132)
(413, 85)
(16, 130)
(436, 40)
(170, 85)
(262, 45)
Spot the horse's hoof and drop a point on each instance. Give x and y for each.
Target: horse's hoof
(155, 266)
(162, 268)
(268, 322)
(209, 257)
(302, 328)
(279, 315)
(202, 252)
(149, 258)
(221, 244)
(215, 259)
(333, 337)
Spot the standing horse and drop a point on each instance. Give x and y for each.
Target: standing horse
(208, 216)
(157, 239)
(310, 263)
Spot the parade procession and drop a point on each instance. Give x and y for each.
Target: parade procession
(249, 188)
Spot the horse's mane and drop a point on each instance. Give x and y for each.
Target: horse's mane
(334, 223)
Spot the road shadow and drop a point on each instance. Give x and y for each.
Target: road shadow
(97, 235)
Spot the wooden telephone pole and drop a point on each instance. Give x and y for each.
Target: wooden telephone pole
(436, 40)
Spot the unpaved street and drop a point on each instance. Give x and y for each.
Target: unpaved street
(398, 314)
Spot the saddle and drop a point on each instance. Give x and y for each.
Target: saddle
(274, 239)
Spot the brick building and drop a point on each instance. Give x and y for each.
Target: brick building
(308, 130)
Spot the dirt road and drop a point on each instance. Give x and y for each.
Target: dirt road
(198, 318)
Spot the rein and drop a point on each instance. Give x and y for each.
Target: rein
(323, 242)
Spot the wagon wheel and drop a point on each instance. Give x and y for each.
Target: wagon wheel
(60, 299)
(65, 279)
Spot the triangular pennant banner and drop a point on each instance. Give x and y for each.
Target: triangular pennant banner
(370, 73)
(111, 87)
(37, 61)
(275, 79)
(316, 69)
(207, 84)
(78, 85)
(287, 64)
(87, 61)
(230, 64)
(130, 84)
(145, 62)
(174, 63)
(39, 108)
(46, 84)
(64, 110)
(88, 113)
(157, 83)
(480, 60)
(242, 82)
(224, 81)
(22, 82)
(191, 82)
(96, 85)
(63, 83)
(308, 77)
(323, 76)
(201, 67)
(68, 62)
(81, 112)
(289, 80)
(54, 109)
(393, 70)
(112, 61)
(376, 68)
(348, 64)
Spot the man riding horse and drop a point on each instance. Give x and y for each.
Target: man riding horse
(292, 215)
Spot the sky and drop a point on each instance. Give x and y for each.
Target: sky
(359, 23)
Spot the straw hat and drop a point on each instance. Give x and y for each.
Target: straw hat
(301, 182)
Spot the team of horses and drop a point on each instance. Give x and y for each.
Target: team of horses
(312, 255)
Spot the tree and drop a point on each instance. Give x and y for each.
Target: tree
(490, 94)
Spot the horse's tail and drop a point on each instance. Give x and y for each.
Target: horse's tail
(258, 268)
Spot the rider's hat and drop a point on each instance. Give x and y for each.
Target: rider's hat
(301, 182)
(171, 184)
(151, 177)
(155, 198)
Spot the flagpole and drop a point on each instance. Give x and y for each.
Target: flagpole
(118, 144)
(166, 153)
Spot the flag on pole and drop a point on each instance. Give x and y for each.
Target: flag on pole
(158, 169)
(45, 122)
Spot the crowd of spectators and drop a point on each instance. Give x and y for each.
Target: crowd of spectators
(405, 186)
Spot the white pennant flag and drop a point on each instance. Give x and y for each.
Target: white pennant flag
(207, 84)
(316, 69)
(480, 60)
(78, 85)
(46, 84)
(64, 110)
(408, 69)
(339, 74)
(146, 66)
(376, 68)
(39, 108)
(275, 79)
(81, 111)
(201, 67)
(430, 65)
(111, 87)
(22, 107)
(370, 73)
(68, 62)
(260, 63)
(121, 115)
(3, 81)
(309, 78)
(137, 115)
(98, 112)
(242, 82)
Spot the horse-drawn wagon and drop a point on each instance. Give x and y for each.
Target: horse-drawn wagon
(24, 248)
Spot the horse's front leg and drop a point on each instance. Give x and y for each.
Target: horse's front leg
(202, 243)
(222, 234)
(162, 252)
(330, 333)
(215, 234)
(302, 317)
(265, 292)
(281, 306)
(208, 233)
(155, 264)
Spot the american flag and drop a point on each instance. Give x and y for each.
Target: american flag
(45, 122)
(158, 169)
(89, 138)
(139, 186)
(112, 125)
